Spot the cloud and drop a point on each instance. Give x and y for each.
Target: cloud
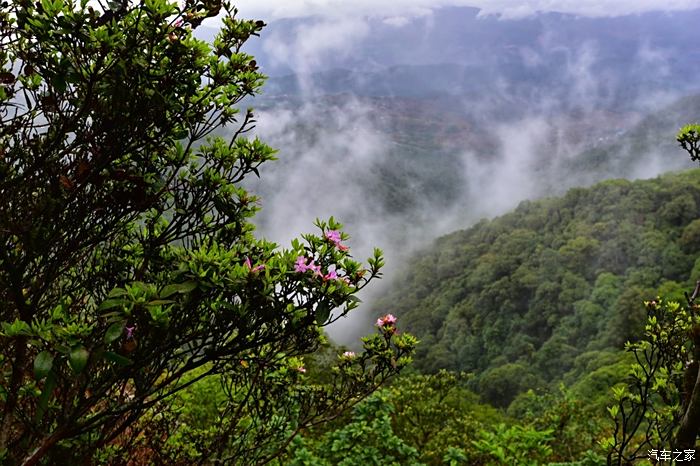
(507, 9)
(657, 58)
(309, 45)
(514, 173)
(326, 153)
(397, 21)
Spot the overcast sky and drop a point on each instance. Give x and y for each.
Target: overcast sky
(276, 9)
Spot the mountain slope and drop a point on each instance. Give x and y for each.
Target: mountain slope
(532, 293)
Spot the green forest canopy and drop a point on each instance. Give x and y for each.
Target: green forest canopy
(551, 288)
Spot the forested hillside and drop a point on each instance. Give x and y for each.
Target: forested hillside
(542, 292)
(162, 301)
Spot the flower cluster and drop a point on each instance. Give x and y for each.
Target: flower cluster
(387, 321)
(301, 266)
(250, 267)
(387, 325)
(349, 354)
(334, 237)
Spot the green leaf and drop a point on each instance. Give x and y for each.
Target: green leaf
(117, 358)
(78, 358)
(114, 331)
(63, 349)
(45, 396)
(59, 83)
(111, 304)
(16, 328)
(323, 312)
(159, 302)
(114, 316)
(42, 364)
(117, 292)
(181, 288)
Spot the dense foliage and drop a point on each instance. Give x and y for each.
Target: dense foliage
(436, 420)
(648, 410)
(128, 267)
(657, 412)
(552, 287)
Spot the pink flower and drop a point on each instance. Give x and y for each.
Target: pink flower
(387, 321)
(302, 369)
(300, 265)
(349, 354)
(250, 267)
(331, 275)
(333, 236)
(316, 269)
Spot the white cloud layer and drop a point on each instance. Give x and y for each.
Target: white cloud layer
(309, 45)
(507, 9)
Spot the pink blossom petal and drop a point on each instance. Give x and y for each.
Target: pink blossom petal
(333, 236)
(316, 269)
(300, 265)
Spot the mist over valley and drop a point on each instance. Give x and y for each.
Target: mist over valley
(407, 131)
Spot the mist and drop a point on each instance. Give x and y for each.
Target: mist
(404, 153)
(329, 164)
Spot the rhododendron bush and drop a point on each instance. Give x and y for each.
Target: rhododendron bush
(129, 270)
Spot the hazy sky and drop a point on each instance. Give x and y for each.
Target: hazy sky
(275, 9)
